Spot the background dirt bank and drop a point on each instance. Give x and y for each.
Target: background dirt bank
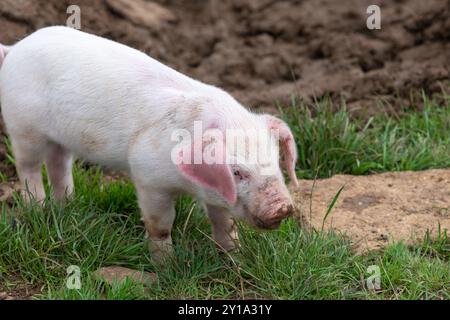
(266, 50)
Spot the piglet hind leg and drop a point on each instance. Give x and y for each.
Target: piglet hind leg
(158, 214)
(29, 152)
(59, 166)
(224, 228)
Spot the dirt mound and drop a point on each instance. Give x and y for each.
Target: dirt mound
(265, 51)
(374, 210)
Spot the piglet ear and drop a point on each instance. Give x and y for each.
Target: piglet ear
(216, 176)
(287, 145)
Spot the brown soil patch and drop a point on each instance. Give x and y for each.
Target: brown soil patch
(376, 209)
(18, 291)
(267, 50)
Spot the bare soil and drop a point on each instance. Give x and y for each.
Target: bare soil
(18, 290)
(375, 210)
(266, 50)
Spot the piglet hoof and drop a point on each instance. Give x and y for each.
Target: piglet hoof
(161, 250)
(30, 197)
(228, 246)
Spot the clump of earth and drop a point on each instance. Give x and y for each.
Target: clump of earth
(378, 209)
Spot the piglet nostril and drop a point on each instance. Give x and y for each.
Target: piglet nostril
(285, 211)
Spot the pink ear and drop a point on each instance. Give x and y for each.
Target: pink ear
(287, 145)
(214, 176)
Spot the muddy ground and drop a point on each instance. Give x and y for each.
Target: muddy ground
(265, 51)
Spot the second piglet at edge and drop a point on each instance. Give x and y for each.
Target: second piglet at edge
(67, 93)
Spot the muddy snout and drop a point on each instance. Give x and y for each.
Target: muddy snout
(273, 220)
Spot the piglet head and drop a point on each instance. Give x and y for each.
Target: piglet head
(262, 190)
(251, 188)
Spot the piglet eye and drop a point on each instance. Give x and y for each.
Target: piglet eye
(240, 174)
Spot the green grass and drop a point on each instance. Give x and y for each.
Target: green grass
(334, 142)
(101, 227)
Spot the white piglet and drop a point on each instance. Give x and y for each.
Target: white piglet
(67, 93)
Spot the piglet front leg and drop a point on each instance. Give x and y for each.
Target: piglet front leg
(224, 228)
(158, 214)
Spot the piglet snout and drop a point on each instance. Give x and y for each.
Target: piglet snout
(273, 220)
